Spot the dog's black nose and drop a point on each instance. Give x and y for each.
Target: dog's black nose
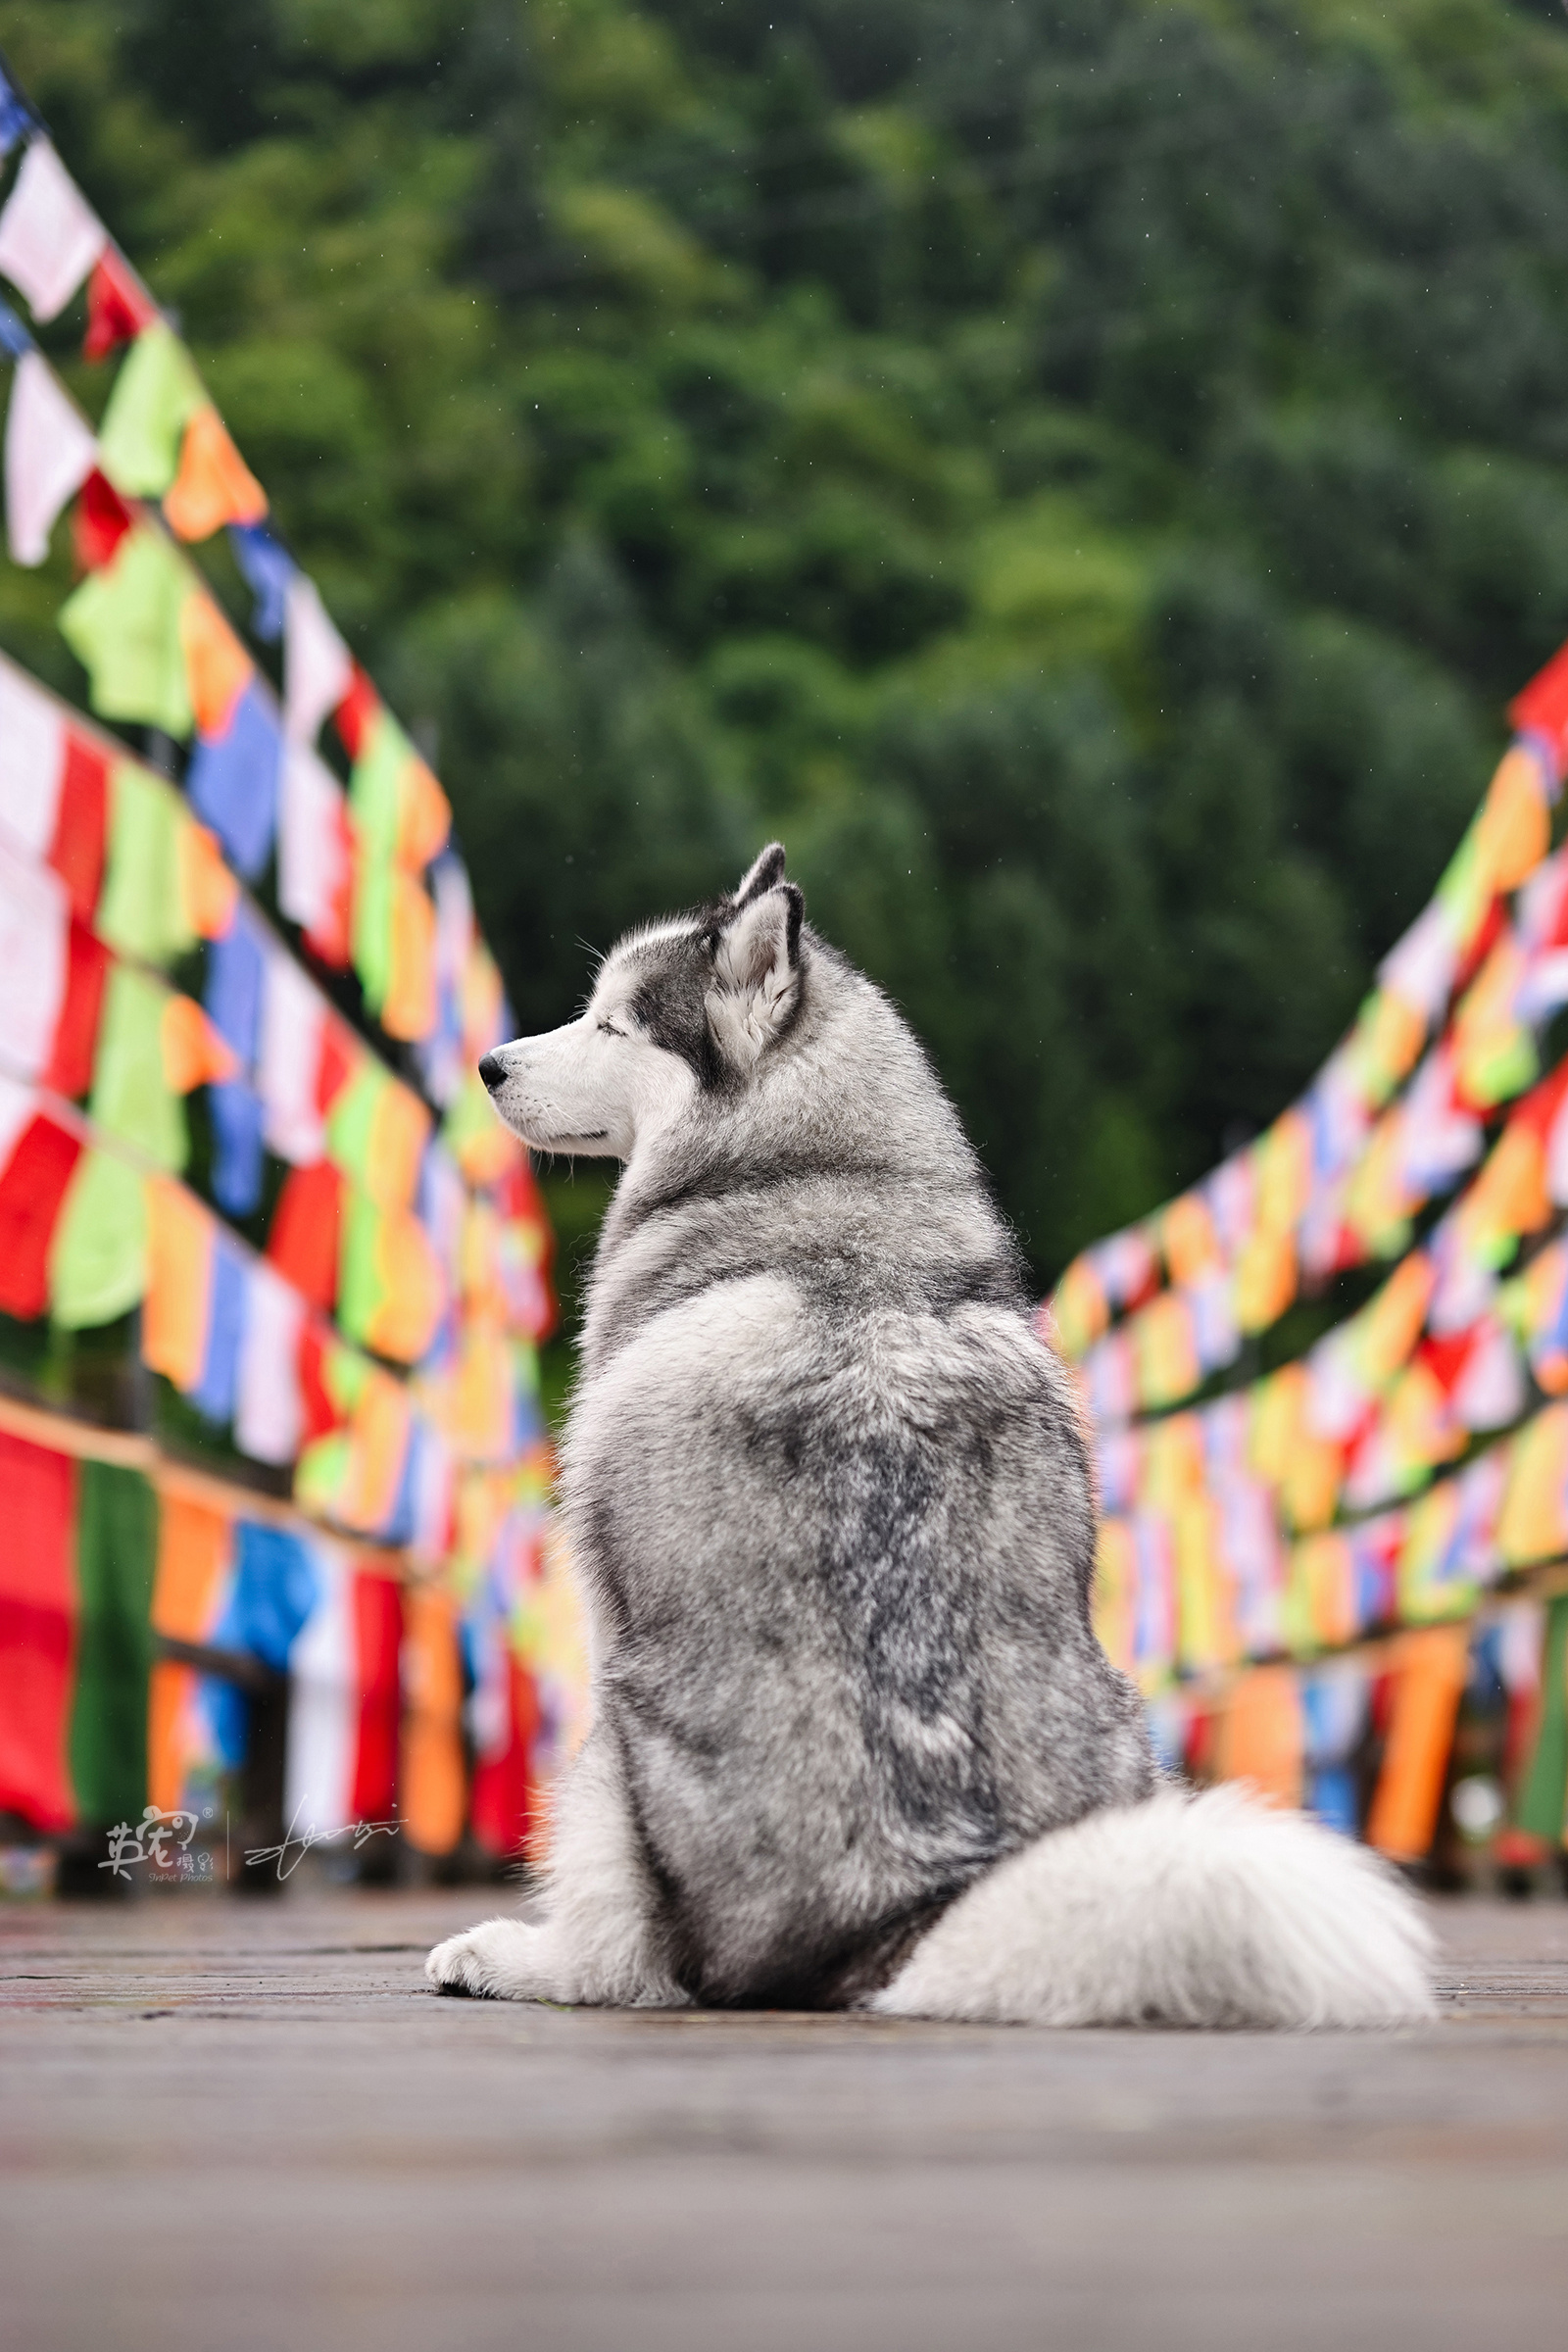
(492, 1071)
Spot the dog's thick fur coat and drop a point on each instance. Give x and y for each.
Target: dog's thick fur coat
(831, 1505)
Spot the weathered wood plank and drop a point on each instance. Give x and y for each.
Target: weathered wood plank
(246, 2124)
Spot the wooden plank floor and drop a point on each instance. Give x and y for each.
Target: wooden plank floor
(234, 2124)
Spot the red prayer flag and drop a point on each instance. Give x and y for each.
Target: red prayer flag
(320, 1414)
(70, 1071)
(100, 522)
(340, 1057)
(378, 1640)
(117, 306)
(355, 711)
(329, 937)
(81, 824)
(303, 1244)
(31, 1189)
(1542, 708)
(37, 1633)
(501, 1809)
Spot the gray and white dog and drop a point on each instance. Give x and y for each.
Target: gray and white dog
(830, 1503)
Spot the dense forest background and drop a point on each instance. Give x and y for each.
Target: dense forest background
(1086, 473)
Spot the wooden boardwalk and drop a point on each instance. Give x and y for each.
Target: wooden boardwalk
(227, 2125)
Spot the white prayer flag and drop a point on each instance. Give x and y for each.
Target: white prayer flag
(293, 1015)
(268, 1411)
(33, 753)
(317, 669)
(311, 841)
(35, 925)
(50, 236)
(50, 451)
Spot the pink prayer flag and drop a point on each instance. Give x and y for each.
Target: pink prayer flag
(34, 939)
(32, 761)
(317, 667)
(293, 1018)
(50, 451)
(50, 236)
(312, 840)
(269, 1410)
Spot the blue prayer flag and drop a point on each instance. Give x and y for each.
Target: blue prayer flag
(268, 569)
(213, 1393)
(232, 783)
(238, 1151)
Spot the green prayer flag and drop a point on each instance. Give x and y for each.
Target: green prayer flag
(117, 1550)
(351, 1121)
(358, 1279)
(375, 785)
(1545, 1784)
(155, 394)
(371, 943)
(375, 794)
(130, 1097)
(122, 624)
(98, 1251)
(321, 1474)
(142, 910)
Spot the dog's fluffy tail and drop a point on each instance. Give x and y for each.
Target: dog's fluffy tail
(1187, 1910)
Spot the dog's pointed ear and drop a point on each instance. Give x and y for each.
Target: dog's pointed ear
(757, 973)
(766, 874)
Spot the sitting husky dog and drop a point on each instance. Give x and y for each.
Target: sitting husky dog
(830, 1502)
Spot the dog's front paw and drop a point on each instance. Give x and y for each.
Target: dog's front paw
(502, 1960)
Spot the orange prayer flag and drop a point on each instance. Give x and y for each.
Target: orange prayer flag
(431, 1784)
(208, 892)
(1079, 1308)
(1166, 1339)
(213, 484)
(379, 1432)
(1515, 825)
(179, 1283)
(170, 1697)
(1389, 1326)
(1313, 1474)
(425, 817)
(218, 669)
(409, 1006)
(1265, 1278)
(194, 1053)
(1173, 1462)
(412, 1288)
(400, 1126)
(1430, 1669)
(195, 1542)
(483, 1398)
(1187, 1237)
(1259, 1736)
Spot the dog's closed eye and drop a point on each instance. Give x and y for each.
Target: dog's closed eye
(610, 1029)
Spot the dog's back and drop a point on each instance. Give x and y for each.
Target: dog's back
(831, 1501)
(854, 1736)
